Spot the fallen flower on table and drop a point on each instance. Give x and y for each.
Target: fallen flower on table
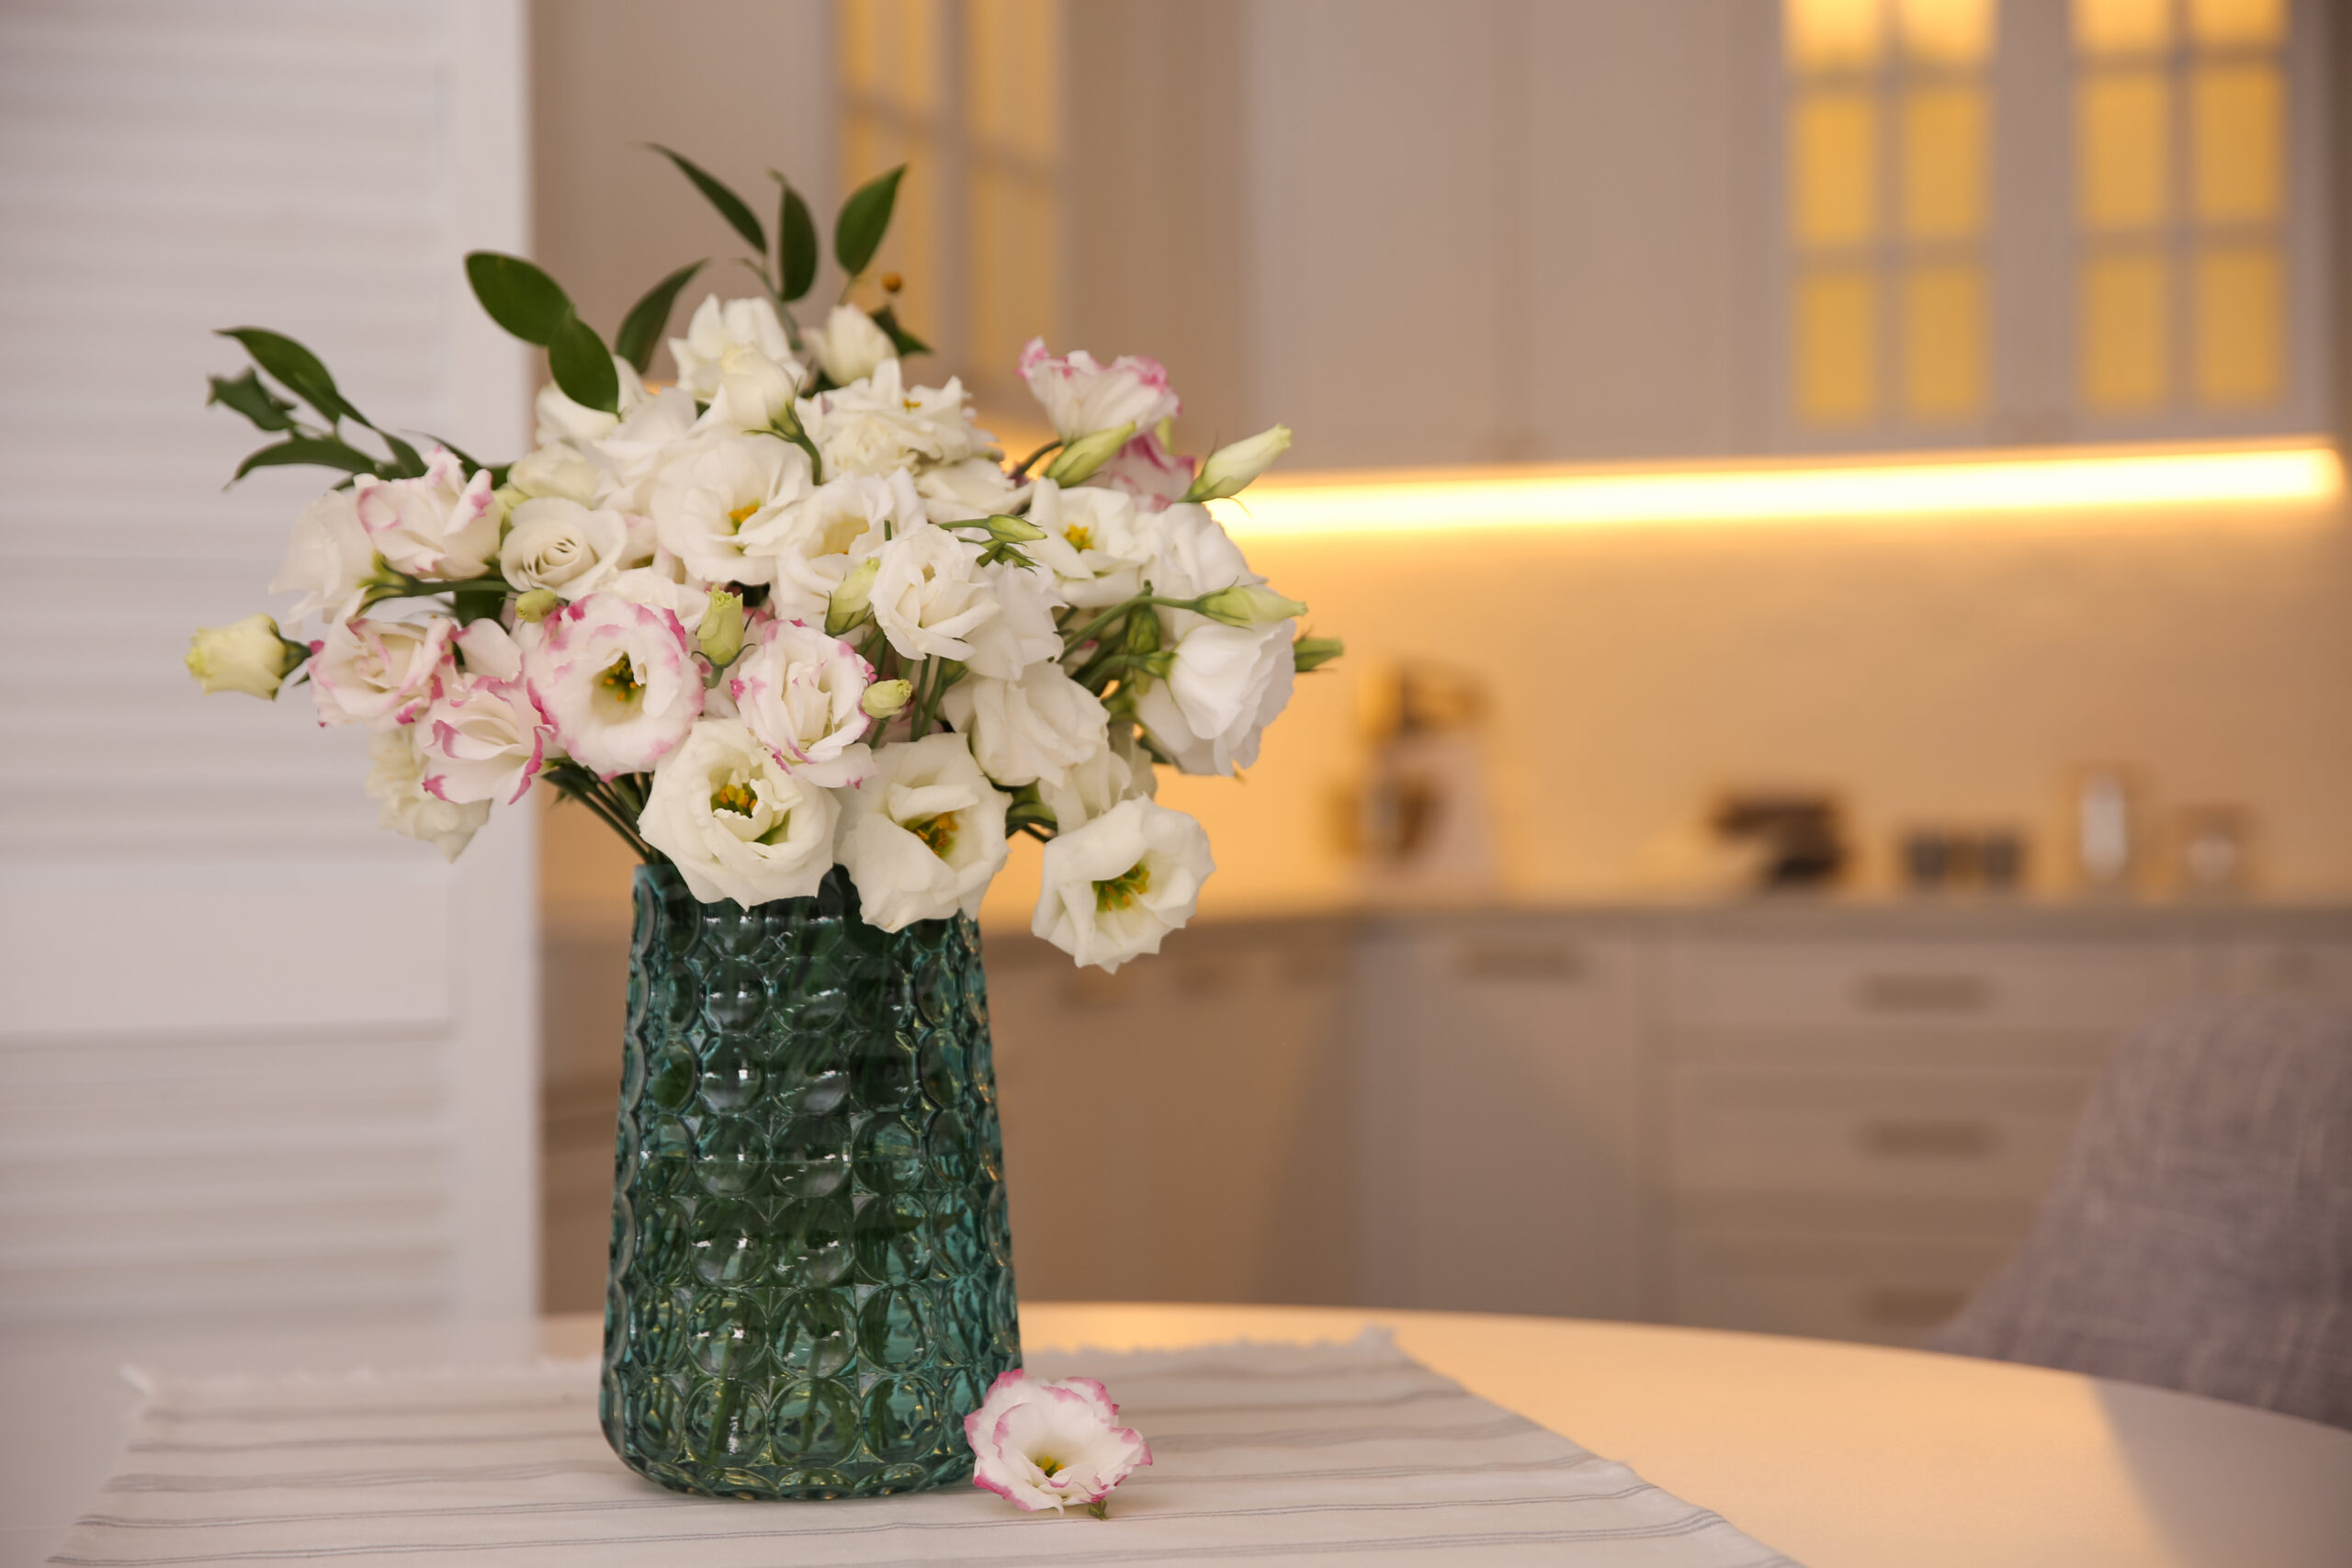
(1044, 1444)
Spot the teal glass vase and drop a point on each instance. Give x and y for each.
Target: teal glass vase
(812, 1271)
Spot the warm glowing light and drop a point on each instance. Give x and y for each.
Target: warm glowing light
(1860, 493)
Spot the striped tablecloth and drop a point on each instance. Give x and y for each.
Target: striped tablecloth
(1277, 1454)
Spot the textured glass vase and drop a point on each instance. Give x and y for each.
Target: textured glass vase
(811, 1280)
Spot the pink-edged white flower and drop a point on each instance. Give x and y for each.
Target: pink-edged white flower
(1044, 1444)
(737, 825)
(480, 739)
(1114, 887)
(881, 424)
(330, 561)
(618, 680)
(797, 692)
(1081, 396)
(658, 587)
(715, 490)
(560, 544)
(1145, 470)
(379, 674)
(1032, 730)
(808, 549)
(1095, 545)
(443, 524)
(715, 328)
(930, 594)
(924, 833)
(396, 781)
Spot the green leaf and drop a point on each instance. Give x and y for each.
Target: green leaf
(642, 330)
(407, 463)
(323, 451)
(248, 396)
(518, 296)
(796, 242)
(905, 341)
(582, 368)
(477, 599)
(731, 207)
(865, 217)
(296, 369)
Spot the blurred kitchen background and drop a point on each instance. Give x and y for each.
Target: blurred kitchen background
(1709, 909)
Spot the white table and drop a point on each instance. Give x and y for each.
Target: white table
(1844, 1456)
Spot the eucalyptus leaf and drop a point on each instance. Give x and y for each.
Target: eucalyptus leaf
(518, 296)
(296, 369)
(325, 452)
(641, 332)
(582, 366)
(865, 219)
(796, 242)
(407, 463)
(731, 207)
(248, 396)
(905, 341)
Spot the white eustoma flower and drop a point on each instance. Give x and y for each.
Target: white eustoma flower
(719, 486)
(1192, 555)
(735, 824)
(1022, 633)
(561, 420)
(850, 346)
(1045, 1444)
(924, 834)
(797, 691)
(658, 587)
(969, 487)
(443, 524)
(928, 594)
(560, 544)
(636, 453)
(1118, 772)
(330, 561)
(808, 549)
(557, 470)
(396, 780)
(1226, 684)
(714, 329)
(1081, 396)
(1032, 730)
(1148, 471)
(246, 656)
(1095, 545)
(618, 680)
(880, 424)
(753, 391)
(1115, 887)
(379, 672)
(480, 739)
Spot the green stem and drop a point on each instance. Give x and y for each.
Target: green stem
(1022, 472)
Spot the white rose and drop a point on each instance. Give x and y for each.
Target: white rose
(808, 549)
(928, 594)
(1081, 395)
(1226, 686)
(561, 420)
(555, 470)
(879, 425)
(714, 329)
(797, 692)
(396, 778)
(1022, 633)
(379, 672)
(735, 824)
(618, 680)
(1118, 772)
(635, 453)
(1032, 730)
(924, 834)
(716, 488)
(246, 656)
(1115, 887)
(480, 739)
(442, 523)
(849, 345)
(330, 561)
(1095, 545)
(560, 544)
(969, 487)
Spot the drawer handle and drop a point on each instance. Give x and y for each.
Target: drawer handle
(1927, 1140)
(1517, 962)
(1926, 992)
(1910, 1306)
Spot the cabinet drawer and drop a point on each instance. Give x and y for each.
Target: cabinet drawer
(1826, 1288)
(1882, 1133)
(2092, 986)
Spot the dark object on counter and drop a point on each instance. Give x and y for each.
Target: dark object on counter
(2000, 859)
(1805, 846)
(1939, 858)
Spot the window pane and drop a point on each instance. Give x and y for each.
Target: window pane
(1943, 163)
(1013, 73)
(1831, 35)
(2122, 150)
(1947, 32)
(2122, 27)
(1012, 270)
(1836, 344)
(1943, 340)
(2238, 22)
(2239, 309)
(2236, 128)
(1832, 168)
(2123, 349)
(889, 50)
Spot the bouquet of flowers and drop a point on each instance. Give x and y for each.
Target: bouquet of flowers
(791, 611)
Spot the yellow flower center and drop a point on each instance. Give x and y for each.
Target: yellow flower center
(1120, 892)
(1080, 536)
(1052, 1467)
(742, 514)
(620, 679)
(912, 404)
(937, 833)
(734, 796)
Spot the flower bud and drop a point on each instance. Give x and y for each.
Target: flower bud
(884, 699)
(553, 470)
(720, 636)
(852, 600)
(1077, 461)
(1230, 469)
(1314, 652)
(243, 656)
(1246, 605)
(1005, 529)
(538, 604)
